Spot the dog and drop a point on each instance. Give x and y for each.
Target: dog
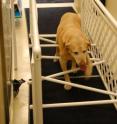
(72, 45)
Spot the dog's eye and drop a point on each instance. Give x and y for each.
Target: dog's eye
(76, 53)
(84, 51)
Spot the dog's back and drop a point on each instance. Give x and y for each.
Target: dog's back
(69, 24)
(70, 19)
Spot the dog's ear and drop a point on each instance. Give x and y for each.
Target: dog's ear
(67, 44)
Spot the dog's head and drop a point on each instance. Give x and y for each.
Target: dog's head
(77, 47)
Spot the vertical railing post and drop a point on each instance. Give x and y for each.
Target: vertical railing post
(36, 66)
(37, 91)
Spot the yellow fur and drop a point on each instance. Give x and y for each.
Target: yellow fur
(72, 41)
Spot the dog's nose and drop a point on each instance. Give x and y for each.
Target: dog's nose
(82, 62)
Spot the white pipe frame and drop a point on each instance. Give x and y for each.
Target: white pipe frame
(111, 23)
(79, 86)
(37, 77)
(57, 57)
(36, 66)
(76, 104)
(68, 71)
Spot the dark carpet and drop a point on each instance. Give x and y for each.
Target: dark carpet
(103, 114)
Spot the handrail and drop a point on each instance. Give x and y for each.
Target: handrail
(34, 27)
(36, 65)
(107, 14)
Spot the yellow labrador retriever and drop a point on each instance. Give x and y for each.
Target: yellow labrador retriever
(73, 45)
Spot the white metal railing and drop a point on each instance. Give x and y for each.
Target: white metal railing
(36, 66)
(101, 28)
(93, 14)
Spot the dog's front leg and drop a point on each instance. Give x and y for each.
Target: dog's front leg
(73, 65)
(63, 64)
(89, 68)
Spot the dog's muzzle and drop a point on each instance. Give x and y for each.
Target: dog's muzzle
(83, 67)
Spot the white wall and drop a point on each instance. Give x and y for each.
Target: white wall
(112, 7)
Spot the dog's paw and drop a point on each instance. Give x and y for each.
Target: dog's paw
(67, 87)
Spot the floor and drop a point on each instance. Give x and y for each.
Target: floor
(20, 110)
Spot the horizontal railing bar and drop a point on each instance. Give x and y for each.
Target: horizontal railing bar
(44, 39)
(47, 40)
(79, 76)
(92, 44)
(101, 102)
(54, 5)
(45, 45)
(76, 104)
(73, 104)
(94, 59)
(79, 86)
(48, 35)
(74, 77)
(48, 45)
(57, 57)
(45, 35)
(50, 57)
(68, 71)
(98, 63)
(64, 72)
